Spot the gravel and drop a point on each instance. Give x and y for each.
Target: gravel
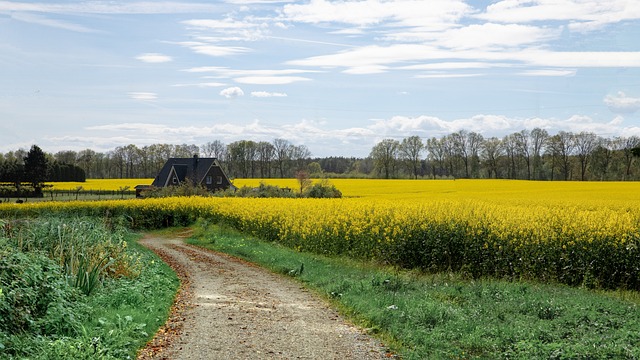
(231, 309)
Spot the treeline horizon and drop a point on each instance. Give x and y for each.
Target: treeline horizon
(526, 155)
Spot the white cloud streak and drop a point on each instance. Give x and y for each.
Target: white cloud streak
(622, 104)
(108, 7)
(582, 15)
(154, 58)
(320, 137)
(143, 96)
(265, 94)
(232, 92)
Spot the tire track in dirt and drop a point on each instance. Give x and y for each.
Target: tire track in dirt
(235, 310)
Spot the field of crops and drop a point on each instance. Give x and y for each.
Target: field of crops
(569, 232)
(101, 184)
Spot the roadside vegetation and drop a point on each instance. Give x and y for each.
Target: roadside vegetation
(78, 288)
(448, 316)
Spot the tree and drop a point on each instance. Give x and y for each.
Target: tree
(437, 155)
(282, 154)
(491, 152)
(385, 156)
(36, 168)
(561, 148)
(303, 180)
(523, 147)
(410, 151)
(539, 139)
(584, 143)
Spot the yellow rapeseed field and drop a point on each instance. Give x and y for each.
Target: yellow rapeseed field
(101, 184)
(579, 233)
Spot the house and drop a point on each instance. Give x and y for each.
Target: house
(205, 172)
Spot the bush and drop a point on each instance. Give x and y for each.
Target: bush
(323, 189)
(35, 298)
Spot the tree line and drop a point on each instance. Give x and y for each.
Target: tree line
(527, 154)
(33, 169)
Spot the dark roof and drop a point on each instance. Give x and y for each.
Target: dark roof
(194, 168)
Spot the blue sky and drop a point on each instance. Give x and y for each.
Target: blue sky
(336, 76)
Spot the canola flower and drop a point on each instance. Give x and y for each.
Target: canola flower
(100, 184)
(575, 233)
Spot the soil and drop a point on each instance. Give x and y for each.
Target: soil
(230, 309)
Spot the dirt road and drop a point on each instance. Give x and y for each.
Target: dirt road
(229, 309)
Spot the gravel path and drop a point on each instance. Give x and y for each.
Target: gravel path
(230, 309)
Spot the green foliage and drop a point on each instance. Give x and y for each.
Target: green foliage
(36, 298)
(45, 314)
(187, 188)
(322, 189)
(445, 316)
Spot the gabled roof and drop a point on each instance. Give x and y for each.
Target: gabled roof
(194, 168)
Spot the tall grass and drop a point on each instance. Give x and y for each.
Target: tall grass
(87, 250)
(75, 288)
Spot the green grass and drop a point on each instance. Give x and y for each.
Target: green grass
(444, 316)
(111, 322)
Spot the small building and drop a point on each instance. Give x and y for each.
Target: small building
(205, 172)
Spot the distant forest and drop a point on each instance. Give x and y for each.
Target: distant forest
(527, 154)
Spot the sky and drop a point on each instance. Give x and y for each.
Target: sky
(336, 76)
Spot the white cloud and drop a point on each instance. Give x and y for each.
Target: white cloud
(109, 7)
(622, 104)
(438, 15)
(323, 139)
(399, 54)
(212, 49)
(494, 36)
(446, 75)
(201, 85)
(582, 15)
(255, 77)
(232, 92)
(269, 80)
(154, 58)
(144, 96)
(44, 21)
(264, 94)
(250, 29)
(548, 72)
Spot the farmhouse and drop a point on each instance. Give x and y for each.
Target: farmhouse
(205, 172)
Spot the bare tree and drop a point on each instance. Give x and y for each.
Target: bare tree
(214, 149)
(560, 149)
(385, 156)
(282, 154)
(411, 149)
(539, 138)
(437, 155)
(491, 152)
(266, 153)
(627, 145)
(523, 148)
(584, 144)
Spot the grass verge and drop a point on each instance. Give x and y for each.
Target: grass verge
(443, 316)
(53, 319)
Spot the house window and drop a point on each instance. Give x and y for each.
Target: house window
(174, 180)
(209, 180)
(219, 180)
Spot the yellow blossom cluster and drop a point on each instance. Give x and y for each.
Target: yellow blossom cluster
(571, 232)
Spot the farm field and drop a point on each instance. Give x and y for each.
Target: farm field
(471, 235)
(101, 184)
(568, 232)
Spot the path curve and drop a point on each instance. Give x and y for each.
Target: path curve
(231, 309)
